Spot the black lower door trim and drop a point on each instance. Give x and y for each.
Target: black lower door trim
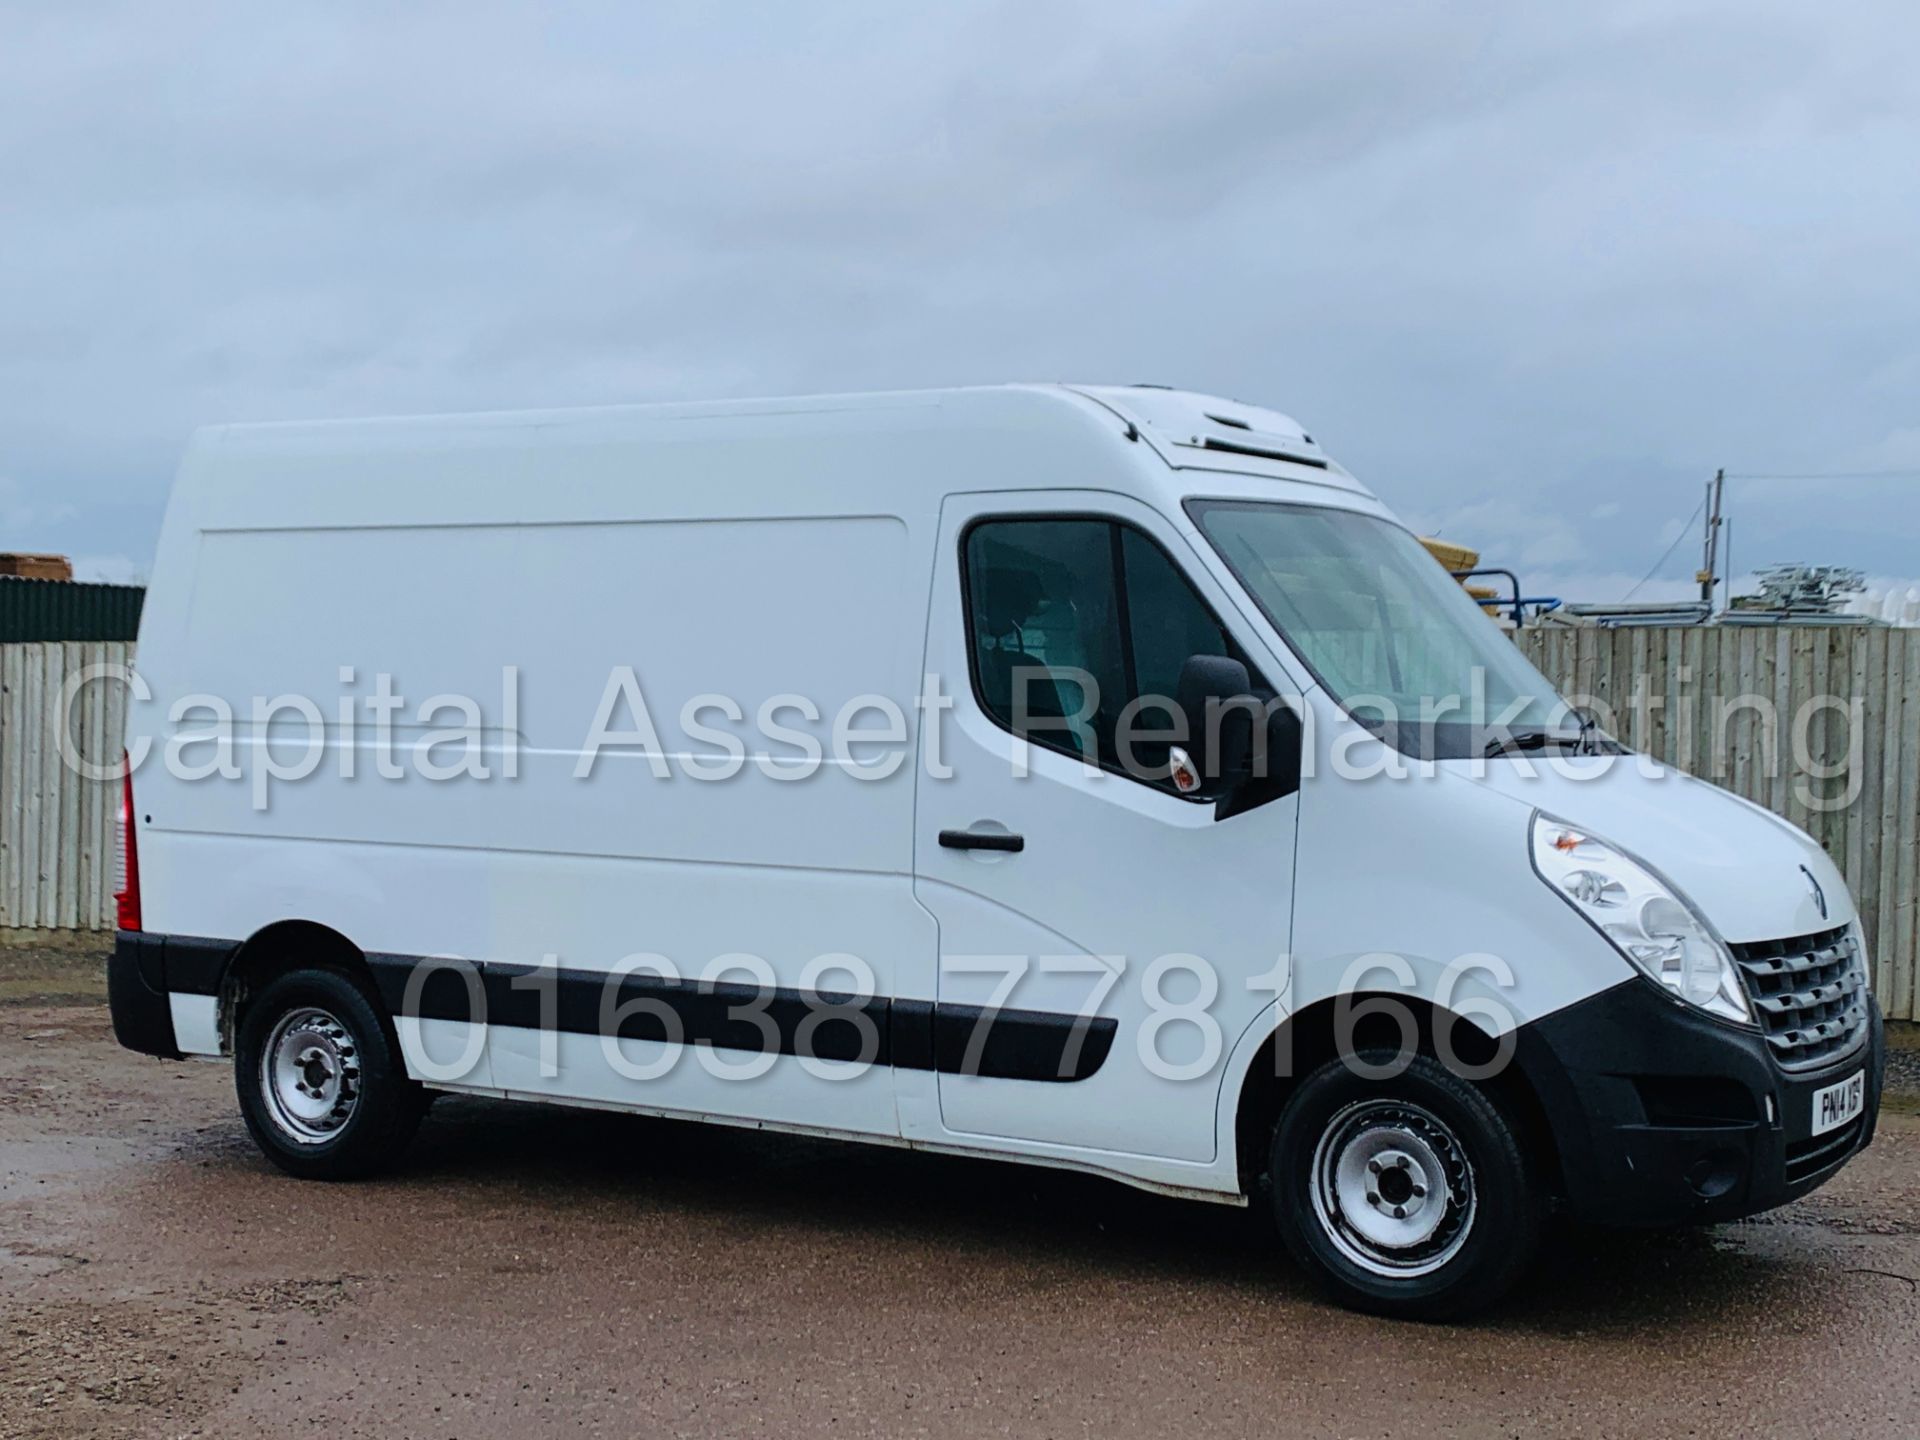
(907, 1034)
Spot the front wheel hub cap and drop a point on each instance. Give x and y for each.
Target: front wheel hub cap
(1392, 1188)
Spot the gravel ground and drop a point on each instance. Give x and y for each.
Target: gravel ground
(1903, 1066)
(545, 1272)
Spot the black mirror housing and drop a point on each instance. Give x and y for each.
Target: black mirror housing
(1215, 700)
(1285, 735)
(1275, 772)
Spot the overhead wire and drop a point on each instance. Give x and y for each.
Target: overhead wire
(1667, 553)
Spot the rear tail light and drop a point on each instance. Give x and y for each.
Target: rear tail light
(126, 873)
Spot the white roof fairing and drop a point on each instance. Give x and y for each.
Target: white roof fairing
(1194, 431)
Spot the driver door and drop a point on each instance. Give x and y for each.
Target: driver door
(1102, 939)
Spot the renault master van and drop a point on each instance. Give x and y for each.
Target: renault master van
(1090, 777)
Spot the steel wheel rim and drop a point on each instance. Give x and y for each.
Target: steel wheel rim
(310, 1075)
(1393, 1188)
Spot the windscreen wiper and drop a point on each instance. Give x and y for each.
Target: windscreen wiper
(1506, 740)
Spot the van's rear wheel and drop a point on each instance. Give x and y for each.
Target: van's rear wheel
(320, 1079)
(1407, 1196)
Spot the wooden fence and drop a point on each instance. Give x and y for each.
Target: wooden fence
(57, 827)
(1820, 724)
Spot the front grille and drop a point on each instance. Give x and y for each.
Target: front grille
(1809, 994)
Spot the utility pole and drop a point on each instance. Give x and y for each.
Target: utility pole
(1716, 487)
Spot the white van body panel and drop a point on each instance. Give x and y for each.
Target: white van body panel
(196, 1023)
(1432, 874)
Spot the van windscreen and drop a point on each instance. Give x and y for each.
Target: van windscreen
(1386, 630)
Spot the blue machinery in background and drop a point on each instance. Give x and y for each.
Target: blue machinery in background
(1519, 603)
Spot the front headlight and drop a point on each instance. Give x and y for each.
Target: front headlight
(1645, 918)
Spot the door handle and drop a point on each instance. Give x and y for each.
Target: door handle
(982, 840)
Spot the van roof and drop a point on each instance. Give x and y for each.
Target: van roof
(1178, 416)
(1187, 430)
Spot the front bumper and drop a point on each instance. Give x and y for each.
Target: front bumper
(1662, 1115)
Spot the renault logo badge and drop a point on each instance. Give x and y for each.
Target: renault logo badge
(1819, 895)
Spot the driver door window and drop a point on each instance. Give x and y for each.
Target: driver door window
(1070, 620)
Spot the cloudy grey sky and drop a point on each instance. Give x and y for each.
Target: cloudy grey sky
(1532, 271)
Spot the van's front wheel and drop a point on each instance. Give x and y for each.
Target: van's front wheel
(320, 1079)
(1406, 1196)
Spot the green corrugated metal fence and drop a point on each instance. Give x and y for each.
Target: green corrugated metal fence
(41, 610)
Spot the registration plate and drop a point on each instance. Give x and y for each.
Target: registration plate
(1837, 1104)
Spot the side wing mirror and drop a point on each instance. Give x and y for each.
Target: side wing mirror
(1216, 702)
(1243, 751)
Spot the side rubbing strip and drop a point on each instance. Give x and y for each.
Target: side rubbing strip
(1019, 1044)
(906, 1034)
(910, 1033)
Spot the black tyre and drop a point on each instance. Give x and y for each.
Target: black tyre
(321, 1082)
(1407, 1196)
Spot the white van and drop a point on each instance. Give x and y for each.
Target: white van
(1043, 772)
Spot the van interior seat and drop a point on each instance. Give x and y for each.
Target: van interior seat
(1007, 602)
